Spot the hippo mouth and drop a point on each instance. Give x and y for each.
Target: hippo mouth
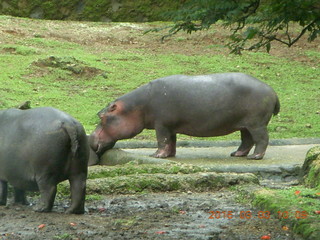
(102, 148)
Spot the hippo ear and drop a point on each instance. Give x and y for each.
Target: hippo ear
(112, 107)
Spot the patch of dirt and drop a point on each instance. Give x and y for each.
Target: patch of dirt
(105, 36)
(70, 64)
(146, 216)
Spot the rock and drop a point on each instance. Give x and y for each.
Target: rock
(310, 171)
(93, 158)
(37, 13)
(196, 182)
(117, 156)
(24, 105)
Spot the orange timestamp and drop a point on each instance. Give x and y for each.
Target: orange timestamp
(259, 214)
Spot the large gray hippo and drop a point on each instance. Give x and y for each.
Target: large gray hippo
(39, 148)
(201, 106)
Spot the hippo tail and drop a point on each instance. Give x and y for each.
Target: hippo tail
(276, 107)
(71, 130)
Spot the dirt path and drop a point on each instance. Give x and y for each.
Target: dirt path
(146, 216)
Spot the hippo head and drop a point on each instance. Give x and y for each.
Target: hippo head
(117, 121)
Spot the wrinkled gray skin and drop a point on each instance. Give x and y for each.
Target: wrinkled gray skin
(201, 106)
(40, 148)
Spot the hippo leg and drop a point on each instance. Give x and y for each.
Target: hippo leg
(261, 139)
(245, 146)
(3, 192)
(48, 193)
(20, 197)
(78, 192)
(166, 143)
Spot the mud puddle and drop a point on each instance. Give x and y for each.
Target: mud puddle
(146, 216)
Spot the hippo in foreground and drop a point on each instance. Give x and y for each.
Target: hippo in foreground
(201, 106)
(40, 148)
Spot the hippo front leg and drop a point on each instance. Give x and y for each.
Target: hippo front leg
(3, 192)
(166, 143)
(20, 197)
(78, 193)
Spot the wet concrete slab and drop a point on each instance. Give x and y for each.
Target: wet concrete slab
(281, 162)
(208, 156)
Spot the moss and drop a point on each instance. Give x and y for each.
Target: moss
(294, 200)
(313, 177)
(159, 182)
(134, 169)
(98, 10)
(145, 10)
(311, 168)
(95, 10)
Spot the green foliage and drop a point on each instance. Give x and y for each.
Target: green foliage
(253, 22)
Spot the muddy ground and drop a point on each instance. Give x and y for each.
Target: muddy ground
(146, 216)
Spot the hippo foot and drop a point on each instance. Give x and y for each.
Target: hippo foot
(25, 203)
(42, 209)
(74, 211)
(258, 156)
(239, 154)
(162, 154)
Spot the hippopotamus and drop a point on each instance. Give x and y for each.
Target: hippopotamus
(200, 106)
(40, 148)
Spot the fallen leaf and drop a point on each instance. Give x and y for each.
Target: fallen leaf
(182, 212)
(297, 192)
(285, 228)
(318, 193)
(101, 210)
(41, 226)
(73, 224)
(202, 226)
(266, 237)
(317, 212)
(161, 232)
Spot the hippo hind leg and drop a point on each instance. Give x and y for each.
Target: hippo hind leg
(245, 146)
(78, 192)
(48, 190)
(166, 143)
(20, 197)
(261, 139)
(3, 192)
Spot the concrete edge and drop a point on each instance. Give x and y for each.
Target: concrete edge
(206, 143)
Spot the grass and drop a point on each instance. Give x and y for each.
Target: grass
(296, 82)
(298, 207)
